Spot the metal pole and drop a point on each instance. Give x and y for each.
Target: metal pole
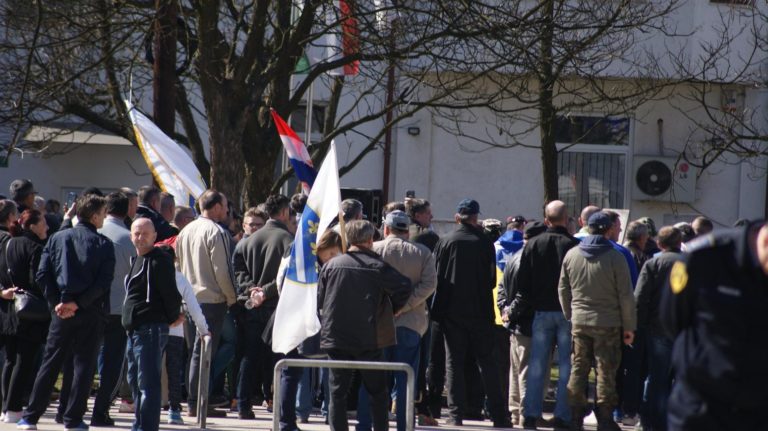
(349, 365)
(203, 382)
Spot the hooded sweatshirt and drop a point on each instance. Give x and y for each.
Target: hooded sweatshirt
(595, 287)
(151, 294)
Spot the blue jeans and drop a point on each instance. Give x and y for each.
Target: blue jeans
(549, 327)
(659, 383)
(406, 350)
(305, 394)
(145, 356)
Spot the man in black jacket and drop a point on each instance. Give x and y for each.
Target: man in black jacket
(149, 207)
(538, 278)
(653, 279)
(715, 309)
(463, 309)
(256, 261)
(152, 304)
(519, 323)
(358, 294)
(76, 270)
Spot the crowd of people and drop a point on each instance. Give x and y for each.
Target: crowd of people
(125, 286)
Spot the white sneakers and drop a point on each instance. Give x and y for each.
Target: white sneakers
(12, 417)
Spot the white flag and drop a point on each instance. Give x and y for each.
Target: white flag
(171, 166)
(296, 313)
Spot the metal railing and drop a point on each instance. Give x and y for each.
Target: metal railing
(348, 365)
(203, 382)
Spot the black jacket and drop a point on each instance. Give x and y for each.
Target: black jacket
(716, 308)
(163, 228)
(8, 321)
(654, 277)
(257, 259)
(78, 264)
(151, 293)
(357, 295)
(539, 272)
(23, 259)
(520, 321)
(466, 276)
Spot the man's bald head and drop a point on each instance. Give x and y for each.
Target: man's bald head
(143, 235)
(556, 213)
(586, 213)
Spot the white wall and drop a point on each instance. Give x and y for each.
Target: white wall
(104, 166)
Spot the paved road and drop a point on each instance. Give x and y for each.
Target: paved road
(263, 422)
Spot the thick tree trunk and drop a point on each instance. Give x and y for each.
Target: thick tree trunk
(226, 142)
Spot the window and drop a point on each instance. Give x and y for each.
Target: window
(592, 160)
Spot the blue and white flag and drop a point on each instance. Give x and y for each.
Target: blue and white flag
(296, 315)
(171, 166)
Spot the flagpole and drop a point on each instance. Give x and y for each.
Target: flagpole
(342, 232)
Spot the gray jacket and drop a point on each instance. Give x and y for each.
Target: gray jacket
(115, 230)
(595, 288)
(416, 262)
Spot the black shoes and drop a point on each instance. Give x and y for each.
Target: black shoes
(246, 415)
(529, 423)
(102, 421)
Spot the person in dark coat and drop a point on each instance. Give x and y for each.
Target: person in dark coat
(538, 279)
(653, 279)
(463, 309)
(358, 294)
(256, 260)
(22, 256)
(152, 305)
(8, 322)
(149, 207)
(519, 323)
(715, 309)
(76, 270)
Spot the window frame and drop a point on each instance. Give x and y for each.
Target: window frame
(626, 150)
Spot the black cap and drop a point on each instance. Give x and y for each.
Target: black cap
(468, 207)
(534, 228)
(20, 189)
(600, 221)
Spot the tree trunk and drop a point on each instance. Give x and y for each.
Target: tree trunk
(226, 142)
(547, 111)
(164, 68)
(261, 153)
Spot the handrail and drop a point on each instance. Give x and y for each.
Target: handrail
(349, 365)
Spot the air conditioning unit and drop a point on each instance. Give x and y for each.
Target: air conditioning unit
(656, 178)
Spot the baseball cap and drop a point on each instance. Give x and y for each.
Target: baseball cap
(600, 221)
(397, 220)
(20, 189)
(468, 207)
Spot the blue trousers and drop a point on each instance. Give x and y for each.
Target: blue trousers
(145, 360)
(549, 328)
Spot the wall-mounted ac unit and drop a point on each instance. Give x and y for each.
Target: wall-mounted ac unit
(656, 178)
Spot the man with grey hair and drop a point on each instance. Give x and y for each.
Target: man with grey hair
(635, 240)
(358, 296)
(463, 309)
(416, 262)
(352, 209)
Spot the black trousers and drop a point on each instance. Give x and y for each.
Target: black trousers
(461, 338)
(79, 335)
(436, 371)
(375, 383)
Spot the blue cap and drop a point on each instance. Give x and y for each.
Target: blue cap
(397, 220)
(599, 220)
(468, 207)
